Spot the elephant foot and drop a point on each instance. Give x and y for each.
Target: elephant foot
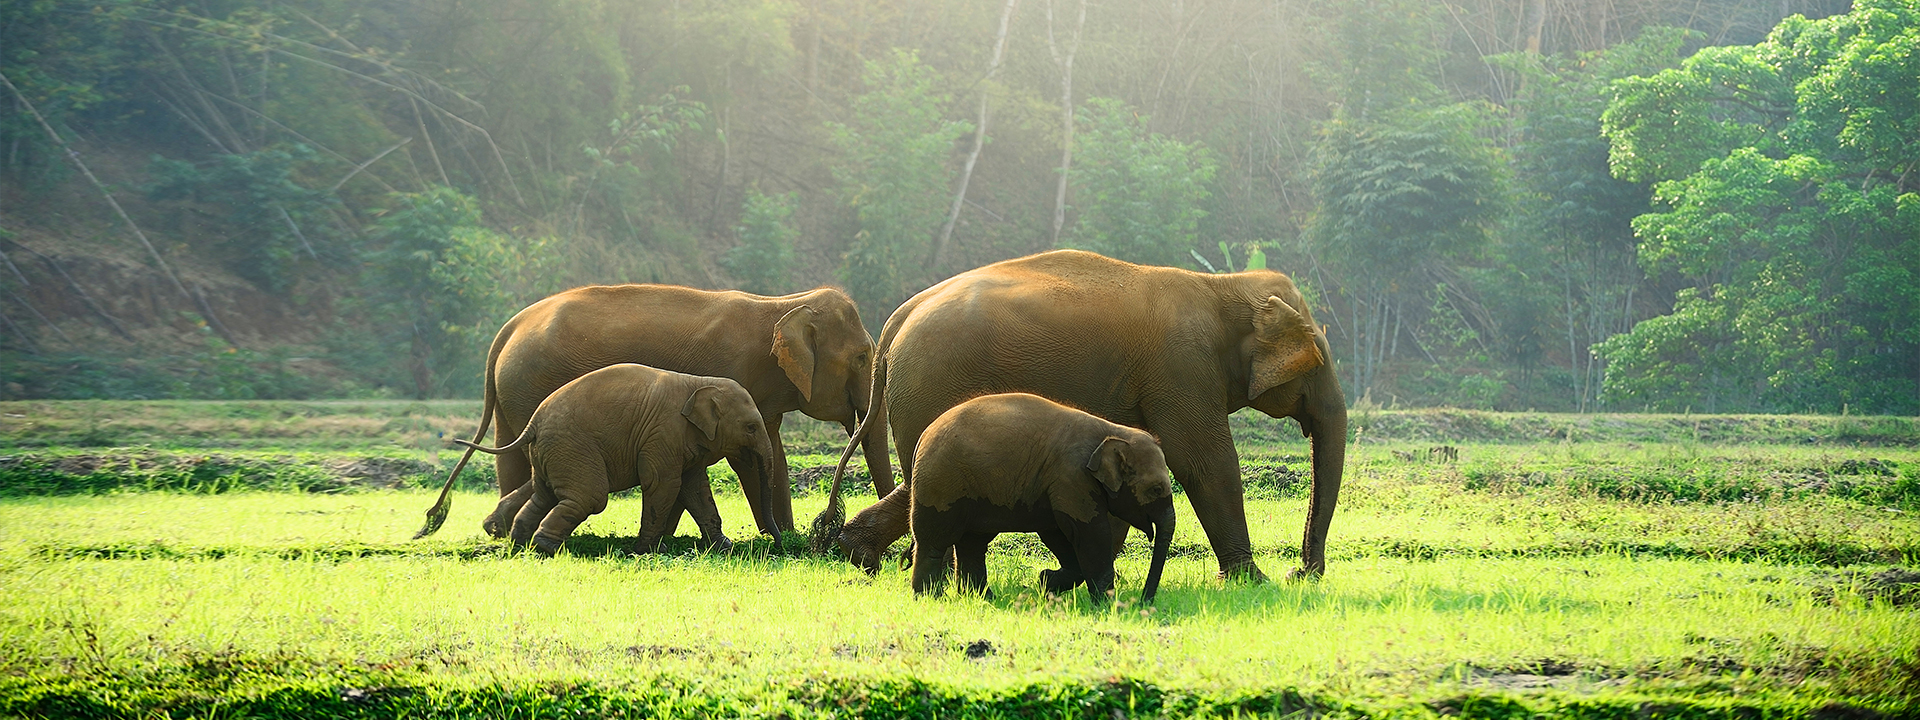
(1058, 581)
(546, 546)
(644, 546)
(493, 527)
(718, 546)
(1245, 571)
(1305, 574)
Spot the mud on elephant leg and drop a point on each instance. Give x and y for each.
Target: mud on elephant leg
(539, 501)
(1069, 576)
(696, 495)
(1092, 544)
(970, 563)
(932, 559)
(659, 511)
(500, 522)
(574, 508)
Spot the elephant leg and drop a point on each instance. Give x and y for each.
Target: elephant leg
(1092, 545)
(970, 563)
(660, 507)
(1203, 461)
(782, 480)
(540, 501)
(930, 568)
(932, 546)
(1069, 575)
(512, 467)
(500, 522)
(583, 494)
(696, 495)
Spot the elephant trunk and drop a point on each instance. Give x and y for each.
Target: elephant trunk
(1329, 445)
(772, 522)
(1162, 540)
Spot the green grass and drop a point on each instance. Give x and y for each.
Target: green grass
(1569, 578)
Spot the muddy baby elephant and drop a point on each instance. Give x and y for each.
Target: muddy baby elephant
(1016, 462)
(626, 426)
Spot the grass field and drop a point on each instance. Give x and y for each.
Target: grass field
(176, 560)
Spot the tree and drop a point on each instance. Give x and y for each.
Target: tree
(1784, 182)
(444, 282)
(766, 243)
(1402, 196)
(897, 146)
(1141, 193)
(1570, 243)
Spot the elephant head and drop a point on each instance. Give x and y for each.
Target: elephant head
(725, 423)
(828, 355)
(1133, 471)
(1289, 376)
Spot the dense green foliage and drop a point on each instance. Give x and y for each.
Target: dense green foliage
(1782, 175)
(1435, 174)
(1142, 194)
(896, 150)
(765, 254)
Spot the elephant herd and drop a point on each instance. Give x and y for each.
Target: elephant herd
(1060, 393)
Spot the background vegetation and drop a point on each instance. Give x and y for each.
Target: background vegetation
(1556, 204)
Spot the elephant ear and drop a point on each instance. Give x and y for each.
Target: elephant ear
(793, 348)
(703, 409)
(1109, 463)
(1284, 346)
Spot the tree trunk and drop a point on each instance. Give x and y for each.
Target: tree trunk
(979, 137)
(1065, 60)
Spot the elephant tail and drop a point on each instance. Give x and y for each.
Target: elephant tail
(472, 446)
(827, 525)
(437, 515)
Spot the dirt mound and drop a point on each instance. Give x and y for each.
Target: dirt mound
(1897, 586)
(382, 472)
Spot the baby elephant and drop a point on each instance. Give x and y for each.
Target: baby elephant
(623, 426)
(1022, 463)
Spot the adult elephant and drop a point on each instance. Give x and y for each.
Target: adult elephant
(1171, 351)
(805, 352)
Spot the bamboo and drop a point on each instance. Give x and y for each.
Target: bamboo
(74, 157)
(979, 137)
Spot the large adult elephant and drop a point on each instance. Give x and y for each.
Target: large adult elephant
(806, 352)
(1171, 351)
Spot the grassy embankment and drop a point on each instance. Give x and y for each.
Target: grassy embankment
(1593, 566)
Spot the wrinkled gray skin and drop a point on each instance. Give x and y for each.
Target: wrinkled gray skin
(626, 426)
(1170, 351)
(1016, 462)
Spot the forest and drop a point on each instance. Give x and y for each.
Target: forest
(1562, 205)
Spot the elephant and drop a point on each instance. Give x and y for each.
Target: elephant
(626, 426)
(805, 352)
(1016, 462)
(1167, 350)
